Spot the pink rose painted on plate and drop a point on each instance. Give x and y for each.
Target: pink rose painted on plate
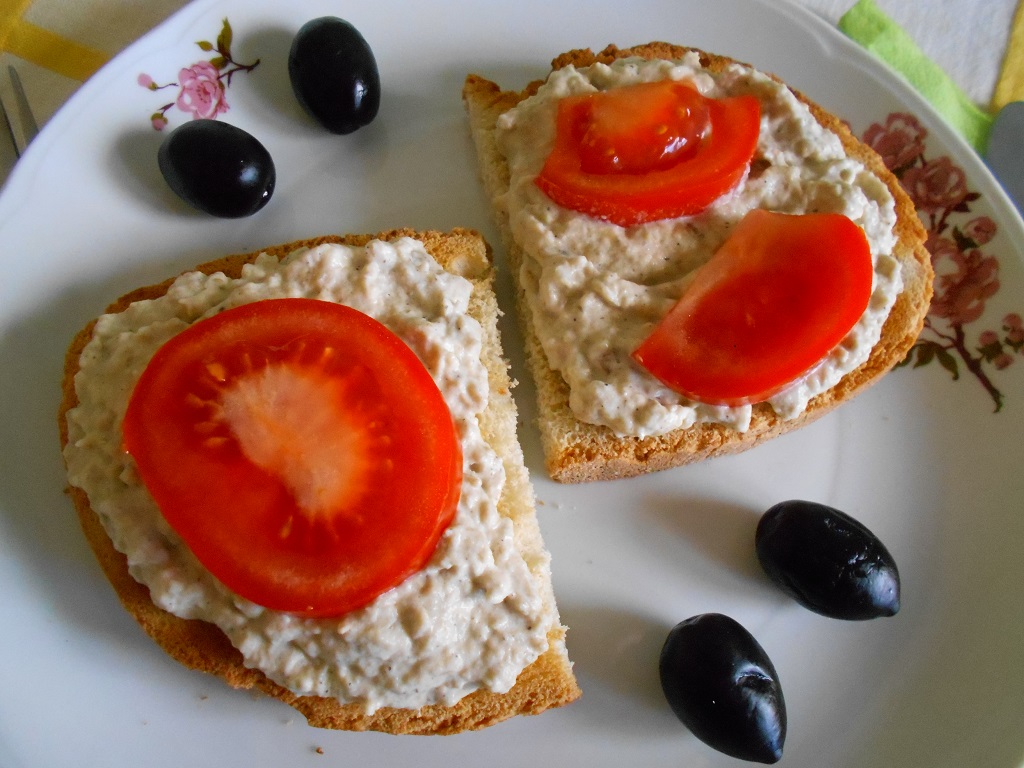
(935, 185)
(966, 277)
(201, 86)
(964, 280)
(201, 93)
(900, 141)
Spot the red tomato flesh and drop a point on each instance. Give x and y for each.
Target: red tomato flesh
(649, 151)
(646, 127)
(300, 449)
(772, 302)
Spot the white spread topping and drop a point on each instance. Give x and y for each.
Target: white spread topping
(596, 290)
(472, 619)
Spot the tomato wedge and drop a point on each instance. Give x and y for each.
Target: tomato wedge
(649, 151)
(300, 449)
(772, 302)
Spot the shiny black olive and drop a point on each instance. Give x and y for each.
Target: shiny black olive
(828, 561)
(217, 168)
(334, 74)
(721, 684)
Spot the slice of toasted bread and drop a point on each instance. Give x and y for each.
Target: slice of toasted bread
(547, 682)
(576, 451)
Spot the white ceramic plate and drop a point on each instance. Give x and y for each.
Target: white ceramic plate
(923, 459)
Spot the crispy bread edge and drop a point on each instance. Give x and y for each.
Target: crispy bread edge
(548, 682)
(579, 452)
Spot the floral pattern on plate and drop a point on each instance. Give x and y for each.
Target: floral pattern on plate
(202, 86)
(966, 277)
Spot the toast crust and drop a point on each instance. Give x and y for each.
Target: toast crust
(579, 452)
(547, 682)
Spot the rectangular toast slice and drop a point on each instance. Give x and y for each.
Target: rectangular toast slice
(546, 682)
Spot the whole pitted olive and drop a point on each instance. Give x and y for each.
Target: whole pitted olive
(334, 74)
(828, 561)
(218, 168)
(721, 684)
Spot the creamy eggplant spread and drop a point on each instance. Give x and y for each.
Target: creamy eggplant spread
(472, 619)
(596, 290)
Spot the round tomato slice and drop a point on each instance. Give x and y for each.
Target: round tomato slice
(300, 449)
(649, 151)
(772, 302)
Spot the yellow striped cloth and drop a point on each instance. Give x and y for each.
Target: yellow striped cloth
(30, 42)
(1010, 86)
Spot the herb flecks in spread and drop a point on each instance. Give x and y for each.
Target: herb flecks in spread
(472, 619)
(283, 440)
(648, 151)
(772, 302)
(596, 290)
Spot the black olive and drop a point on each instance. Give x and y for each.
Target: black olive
(217, 168)
(334, 74)
(828, 561)
(721, 684)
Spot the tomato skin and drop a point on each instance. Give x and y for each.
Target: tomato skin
(712, 166)
(772, 302)
(241, 416)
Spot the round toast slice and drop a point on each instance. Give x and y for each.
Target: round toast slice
(576, 451)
